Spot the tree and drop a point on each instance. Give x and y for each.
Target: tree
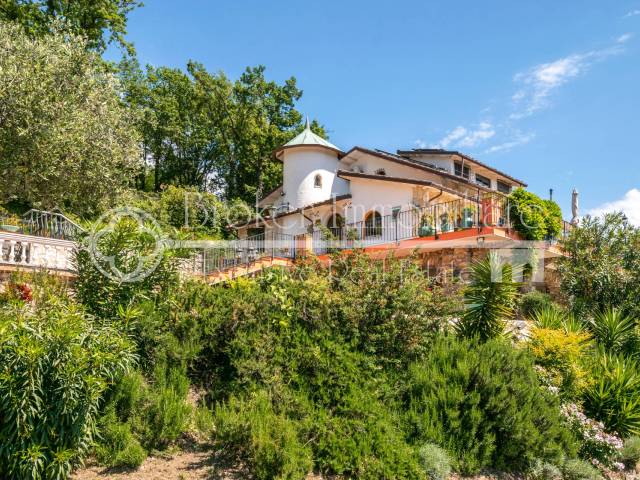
(65, 137)
(101, 21)
(601, 268)
(253, 117)
(203, 130)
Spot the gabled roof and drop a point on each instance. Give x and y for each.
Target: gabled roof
(440, 151)
(410, 162)
(309, 139)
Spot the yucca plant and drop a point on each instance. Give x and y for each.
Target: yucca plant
(614, 331)
(549, 316)
(554, 317)
(614, 398)
(490, 299)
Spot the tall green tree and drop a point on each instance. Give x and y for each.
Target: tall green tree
(206, 131)
(101, 21)
(65, 138)
(601, 268)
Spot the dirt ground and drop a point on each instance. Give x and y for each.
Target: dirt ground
(192, 465)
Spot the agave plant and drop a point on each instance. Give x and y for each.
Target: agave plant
(614, 331)
(489, 299)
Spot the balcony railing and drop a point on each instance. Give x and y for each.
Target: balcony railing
(433, 220)
(236, 253)
(40, 223)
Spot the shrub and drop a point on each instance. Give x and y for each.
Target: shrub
(614, 396)
(388, 308)
(435, 462)
(630, 453)
(269, 443)
(533, 301)
(167, 412)
(553, 218)
(361, 438)
(119, 265)
(576, 469)
(141, 415)
(527, 212)
(561, 355)
(489, 299)
(56, 363)
(540, 470)
(483, 403)
(117, 446)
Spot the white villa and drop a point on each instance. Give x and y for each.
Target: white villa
(445, 205)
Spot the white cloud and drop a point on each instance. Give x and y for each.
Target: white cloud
(629, 204)
(461, 137)
(520, 139)
(632, 13)
(540, 81)
(624, 38)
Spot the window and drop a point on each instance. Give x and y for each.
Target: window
(317, 181)
(372, 225)
(483, 181)
(335, 221)
(380, 171)
(335, 224)
(504, 187)
(460, 170)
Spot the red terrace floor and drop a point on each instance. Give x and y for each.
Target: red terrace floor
(468, 238)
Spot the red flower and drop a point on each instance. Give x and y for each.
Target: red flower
(23, 291)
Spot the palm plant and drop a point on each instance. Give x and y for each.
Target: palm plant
(490, 299)
(614, 331)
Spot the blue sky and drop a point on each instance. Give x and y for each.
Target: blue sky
(546, 91)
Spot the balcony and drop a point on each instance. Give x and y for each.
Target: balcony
(431, 221)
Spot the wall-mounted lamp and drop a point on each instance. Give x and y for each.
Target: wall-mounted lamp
(481, 241)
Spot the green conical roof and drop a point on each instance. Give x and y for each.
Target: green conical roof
(307, 137)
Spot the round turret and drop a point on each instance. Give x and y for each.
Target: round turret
(309, 170)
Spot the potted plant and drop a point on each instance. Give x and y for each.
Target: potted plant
(446, 225)
(468, 214)
(426, 226)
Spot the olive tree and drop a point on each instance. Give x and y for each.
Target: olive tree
(66, 139)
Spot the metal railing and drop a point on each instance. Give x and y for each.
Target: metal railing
(236, 253)
(50, 224)
(40, 223)
(433, 220)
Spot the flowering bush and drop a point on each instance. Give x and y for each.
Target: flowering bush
(600, 447)
(17, 291)
(560, 354)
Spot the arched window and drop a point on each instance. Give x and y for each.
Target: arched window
(372, 224)
(317, 181)
(381, 171)
(335, 224)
